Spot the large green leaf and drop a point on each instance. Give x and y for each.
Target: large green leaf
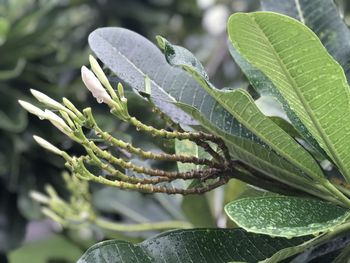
(242, 107)
(323, 18)
(304, 73)
(132, 63)
(285, 216)
(194, 245)
(264, 86)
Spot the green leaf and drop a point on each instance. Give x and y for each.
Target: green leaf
(242, 107)
(4, 28)
(304, 74)
(286, 126)
(285, 216)
(54, 248)
(265, 87)
(194, 245)
(133, 63)
(258, 156)
(323, 18)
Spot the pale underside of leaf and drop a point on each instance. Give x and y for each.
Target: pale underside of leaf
(313, 84)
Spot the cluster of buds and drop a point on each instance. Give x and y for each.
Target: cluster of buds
(78, 212)
(213, 171)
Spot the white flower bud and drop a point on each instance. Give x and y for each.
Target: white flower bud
(58, 122)
(98, 71)
(48, 146)
(47, 100)
(32, 109)
(39, 197)
(95, 87)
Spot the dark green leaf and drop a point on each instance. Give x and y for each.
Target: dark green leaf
(197, 245)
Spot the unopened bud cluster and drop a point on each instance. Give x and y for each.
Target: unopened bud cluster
(75, 124)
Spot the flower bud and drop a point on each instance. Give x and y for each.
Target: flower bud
(98, 71)
(58, 122)
(43, 98)
(95, 87)
(32, 109)
(48, 146)
(39, 197)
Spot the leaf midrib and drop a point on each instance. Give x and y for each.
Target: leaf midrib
(304, 103)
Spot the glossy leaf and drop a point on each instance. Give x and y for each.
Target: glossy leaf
(264, 86)
(323, 18)
(258, 156)
(195, 245)
(285, 216)
(304, 74)
(242, 107)
(131, 63)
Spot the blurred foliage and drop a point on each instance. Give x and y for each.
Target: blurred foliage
(43, 43)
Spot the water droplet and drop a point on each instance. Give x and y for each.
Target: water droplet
(99, 100)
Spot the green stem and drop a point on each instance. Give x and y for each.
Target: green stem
(338, 194)
(112, 226)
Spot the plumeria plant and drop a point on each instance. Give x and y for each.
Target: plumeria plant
(299, 207)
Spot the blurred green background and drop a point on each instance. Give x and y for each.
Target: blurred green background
(43, 44)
